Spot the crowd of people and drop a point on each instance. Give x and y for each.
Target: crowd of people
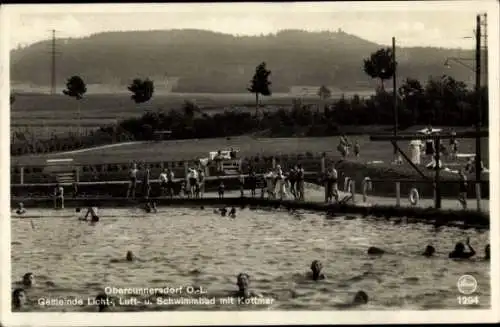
(275, 183)
(344, 147)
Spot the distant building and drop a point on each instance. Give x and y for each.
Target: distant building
(164, 83)
(310, 91)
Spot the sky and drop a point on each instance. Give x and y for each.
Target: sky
(438, 24)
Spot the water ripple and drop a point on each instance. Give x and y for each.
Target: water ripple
(187, 247)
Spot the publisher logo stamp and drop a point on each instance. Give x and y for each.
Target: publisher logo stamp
(467, 284)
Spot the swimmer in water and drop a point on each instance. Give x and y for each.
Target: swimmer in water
(18, 298)
(232, 213)
(20, 209)
(429, 251)
(150, 207)
(459, 251)
(103, 302)
(315, 273)
(487, 252)
(375, 250)
(129, 257)
(92, 211)
(223, 211)
(360, 298)
(243, 283)
(27, 281)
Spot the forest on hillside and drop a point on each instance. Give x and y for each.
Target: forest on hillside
(204, 61)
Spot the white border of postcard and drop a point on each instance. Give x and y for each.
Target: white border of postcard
(7, 318)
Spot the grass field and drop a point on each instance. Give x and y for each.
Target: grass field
(248, 146)
(44, 114)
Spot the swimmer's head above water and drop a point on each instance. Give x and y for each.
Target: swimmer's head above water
(459, 248)
(102, 300)
(20, 208)
(375, 250)
(316, 267)
(243, 283)
(429, 251)
(28, 279)
(18, 298)
(360, 298)
(130, 256)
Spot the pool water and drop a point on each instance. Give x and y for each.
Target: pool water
(184, 247)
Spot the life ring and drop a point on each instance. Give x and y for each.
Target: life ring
(367, 186)
(413, 197)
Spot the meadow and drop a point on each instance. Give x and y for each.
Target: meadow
(178, 150)
(45, 114)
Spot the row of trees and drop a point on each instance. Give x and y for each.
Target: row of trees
(441, 101)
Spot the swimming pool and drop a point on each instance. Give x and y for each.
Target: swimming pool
(183, 247)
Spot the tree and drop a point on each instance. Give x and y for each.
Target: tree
(412, 92)
(76, 88)
(260, 83)
(142, 90)
(380, 65)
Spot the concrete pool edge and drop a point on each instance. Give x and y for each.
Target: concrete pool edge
(437, 217)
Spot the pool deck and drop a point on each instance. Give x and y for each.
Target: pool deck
(316, 194)
(451, 214)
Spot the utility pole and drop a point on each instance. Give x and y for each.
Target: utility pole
(395, 96)
(485, 49)
(479, 113)
(53, 66)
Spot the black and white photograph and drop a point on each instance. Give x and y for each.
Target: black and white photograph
(249, 163)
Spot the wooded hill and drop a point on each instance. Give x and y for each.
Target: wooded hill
(205, 61)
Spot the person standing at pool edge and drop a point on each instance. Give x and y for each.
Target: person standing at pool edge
(58, 197)
(170, 183)
(300, 182)
(292, 176)
(331, 185)
(132, 181)
(163, 182)
(201, 182)
(462, 196)
(221, 190)
(146, 186)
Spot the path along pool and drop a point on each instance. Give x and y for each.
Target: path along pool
(182, 247)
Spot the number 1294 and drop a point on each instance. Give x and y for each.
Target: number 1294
(468, 300)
